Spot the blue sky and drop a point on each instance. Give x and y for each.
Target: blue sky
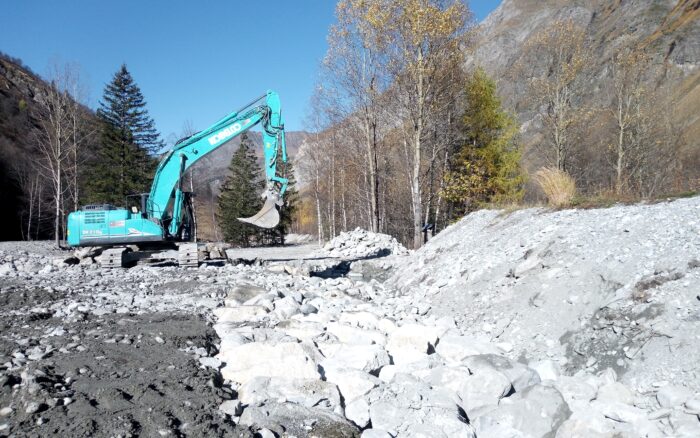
(194, 61)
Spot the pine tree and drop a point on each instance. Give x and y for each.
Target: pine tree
(240, 195)
(487, 168)
(124, 162)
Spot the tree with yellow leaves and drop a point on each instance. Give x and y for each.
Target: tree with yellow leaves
(424, 41)
(554, 60)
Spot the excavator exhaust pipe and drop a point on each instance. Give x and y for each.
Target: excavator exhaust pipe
(268, 216)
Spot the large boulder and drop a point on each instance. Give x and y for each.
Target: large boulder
(305, 392)
(672, 395)
(368, 358)
(290, 419)
(352, 383)
(410, 406)
(355, 335)
(521, 376)
(258, 359)
(412, 342)
(535, 412)
(475, 391)
(456, 348)
(240, 314)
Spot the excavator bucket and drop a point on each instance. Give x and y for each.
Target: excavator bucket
(267, 217)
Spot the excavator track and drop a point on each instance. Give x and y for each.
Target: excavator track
(188, 255)
(113, 258)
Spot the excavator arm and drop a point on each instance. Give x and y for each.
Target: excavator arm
(166, 199)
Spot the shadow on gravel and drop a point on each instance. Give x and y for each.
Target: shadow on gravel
(342, 269)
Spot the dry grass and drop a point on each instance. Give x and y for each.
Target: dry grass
(558, 186)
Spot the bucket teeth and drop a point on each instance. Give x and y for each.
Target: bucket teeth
(267, 217)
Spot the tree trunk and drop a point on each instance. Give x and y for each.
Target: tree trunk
(416, 195)
(319, 217)
(57, 200)
(371, 144)
(415, 180)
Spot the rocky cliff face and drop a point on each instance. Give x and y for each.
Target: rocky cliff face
(667, 30)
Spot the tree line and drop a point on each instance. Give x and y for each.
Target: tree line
(406, 139)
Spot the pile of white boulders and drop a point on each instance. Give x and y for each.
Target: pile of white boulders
(360, 243)
(306, 356)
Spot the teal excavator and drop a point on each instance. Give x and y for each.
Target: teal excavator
(165, 214)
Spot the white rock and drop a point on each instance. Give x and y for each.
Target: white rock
(619, 411)
(354, 335)
(693, 405)
(303, 330)
(456, 348)
(239, 314)
(266, 433)
(286, 307)
(615, 392)
(357, 411)
(375, 433)
(484, 388)
(366, 320)
(520, 375)
(369, 358)
(592, 427)
(233, 408)
(411, 342)
(305, 392)
(575, 389)
(535, 412)
(547, 369)
(352, 383)
(685, 425)
(288, 359)
(673, 395)
(408, 406)
(211, 362)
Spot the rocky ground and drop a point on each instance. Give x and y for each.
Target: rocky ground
(523, 324)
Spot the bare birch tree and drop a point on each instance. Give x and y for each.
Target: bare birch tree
(426, 41)
(554, 60)
(354, 65)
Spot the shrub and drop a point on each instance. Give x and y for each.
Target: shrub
(558, 186)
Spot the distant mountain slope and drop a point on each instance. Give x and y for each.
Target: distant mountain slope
(668, 30)
(20, 91)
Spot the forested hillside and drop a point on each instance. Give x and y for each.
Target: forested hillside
(645, 52)
(23, 93)
(425, 115)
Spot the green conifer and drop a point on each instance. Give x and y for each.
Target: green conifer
(240, 195)
(124, 162)
(487, 168)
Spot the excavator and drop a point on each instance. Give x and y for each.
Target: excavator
(164, 216)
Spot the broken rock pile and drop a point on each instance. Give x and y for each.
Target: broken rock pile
(360, 243)
(332, 357)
